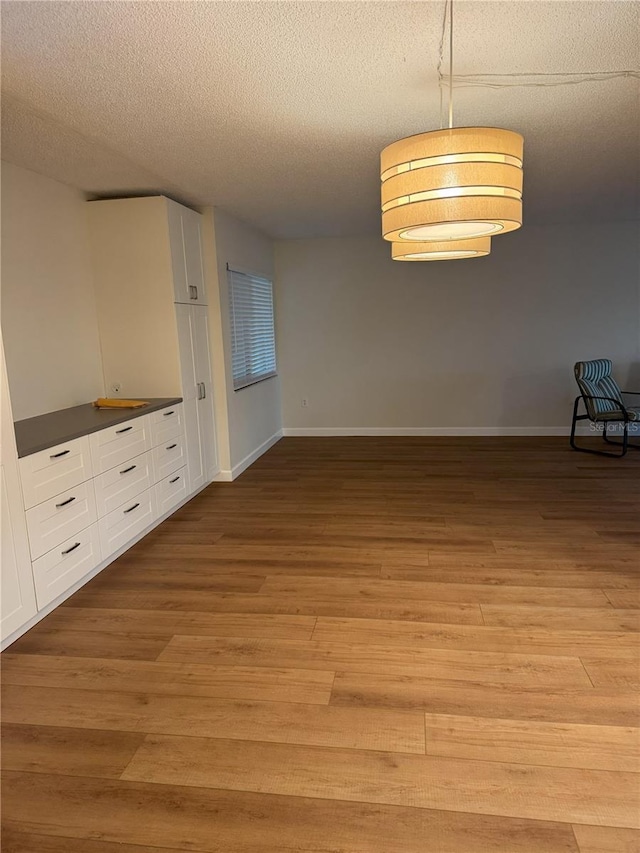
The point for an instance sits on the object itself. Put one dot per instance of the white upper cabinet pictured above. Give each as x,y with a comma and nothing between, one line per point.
185,237
192,241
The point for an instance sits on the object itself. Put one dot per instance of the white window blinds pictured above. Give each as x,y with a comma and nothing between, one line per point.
253,345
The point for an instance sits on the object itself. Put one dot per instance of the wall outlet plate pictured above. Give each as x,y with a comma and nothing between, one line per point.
116,387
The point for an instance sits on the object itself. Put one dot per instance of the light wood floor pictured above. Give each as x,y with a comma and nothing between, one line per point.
362,645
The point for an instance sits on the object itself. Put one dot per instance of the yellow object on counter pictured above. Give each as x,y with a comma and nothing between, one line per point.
117,403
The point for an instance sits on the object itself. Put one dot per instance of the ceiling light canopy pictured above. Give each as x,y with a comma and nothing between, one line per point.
446,250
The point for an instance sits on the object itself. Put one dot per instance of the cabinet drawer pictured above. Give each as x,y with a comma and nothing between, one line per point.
168,457
123,483
67,563
121,525
59,518
51,472
116,445
167,423
171,491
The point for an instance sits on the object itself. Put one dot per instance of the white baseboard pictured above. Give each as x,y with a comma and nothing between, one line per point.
433,431
226,476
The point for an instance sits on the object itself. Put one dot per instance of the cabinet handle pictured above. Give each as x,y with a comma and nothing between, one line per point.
171,446
195,291
175,480
204,391
130,468
192,290
126,429
69,550
58,455
131,508
64,503
166,414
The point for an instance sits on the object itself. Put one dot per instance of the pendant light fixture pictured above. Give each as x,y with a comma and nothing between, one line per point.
451,186
446,250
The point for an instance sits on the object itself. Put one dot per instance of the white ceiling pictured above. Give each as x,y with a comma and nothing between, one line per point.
277,111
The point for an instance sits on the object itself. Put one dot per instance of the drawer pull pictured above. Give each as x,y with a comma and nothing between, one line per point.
171,446
166,414
175,480
126,429
64,503
130,468
131,508
69,550
58,455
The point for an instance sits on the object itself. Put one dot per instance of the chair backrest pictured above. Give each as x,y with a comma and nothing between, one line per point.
595,380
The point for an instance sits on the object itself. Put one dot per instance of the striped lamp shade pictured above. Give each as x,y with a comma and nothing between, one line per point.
447,250
453,184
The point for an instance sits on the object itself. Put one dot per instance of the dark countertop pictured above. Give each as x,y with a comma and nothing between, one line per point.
43,431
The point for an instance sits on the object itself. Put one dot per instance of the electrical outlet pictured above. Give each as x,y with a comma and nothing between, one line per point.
304,402
116,387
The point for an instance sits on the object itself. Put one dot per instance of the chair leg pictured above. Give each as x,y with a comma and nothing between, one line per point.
626,442
572,438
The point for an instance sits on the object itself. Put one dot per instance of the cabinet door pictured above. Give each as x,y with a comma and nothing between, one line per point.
18,594
187,350
176,242
192,243
18,598
195,457
200,326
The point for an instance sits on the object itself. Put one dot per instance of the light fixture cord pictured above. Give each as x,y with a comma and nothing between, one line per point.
450,64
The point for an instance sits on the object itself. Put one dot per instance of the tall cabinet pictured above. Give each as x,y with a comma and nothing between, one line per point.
152,313
18,600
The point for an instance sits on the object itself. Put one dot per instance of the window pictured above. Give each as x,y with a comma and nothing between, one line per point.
253,345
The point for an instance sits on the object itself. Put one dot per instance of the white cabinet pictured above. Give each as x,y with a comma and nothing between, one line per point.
118,444
121,525
52,471
60,517
78,530
171,491
57,570
185,238
18,596
62,526
167,424
123,483
152,314
168,457
197,389
18,600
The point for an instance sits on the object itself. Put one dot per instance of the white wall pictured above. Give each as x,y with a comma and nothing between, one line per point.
254,414
48,307
485,344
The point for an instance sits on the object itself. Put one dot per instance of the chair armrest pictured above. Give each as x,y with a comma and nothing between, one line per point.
619,406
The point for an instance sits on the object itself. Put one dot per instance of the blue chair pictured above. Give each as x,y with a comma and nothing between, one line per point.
604,404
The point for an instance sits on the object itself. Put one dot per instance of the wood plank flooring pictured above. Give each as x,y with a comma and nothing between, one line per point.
363,645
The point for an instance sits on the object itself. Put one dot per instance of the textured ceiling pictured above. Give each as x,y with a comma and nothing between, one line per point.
277,111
